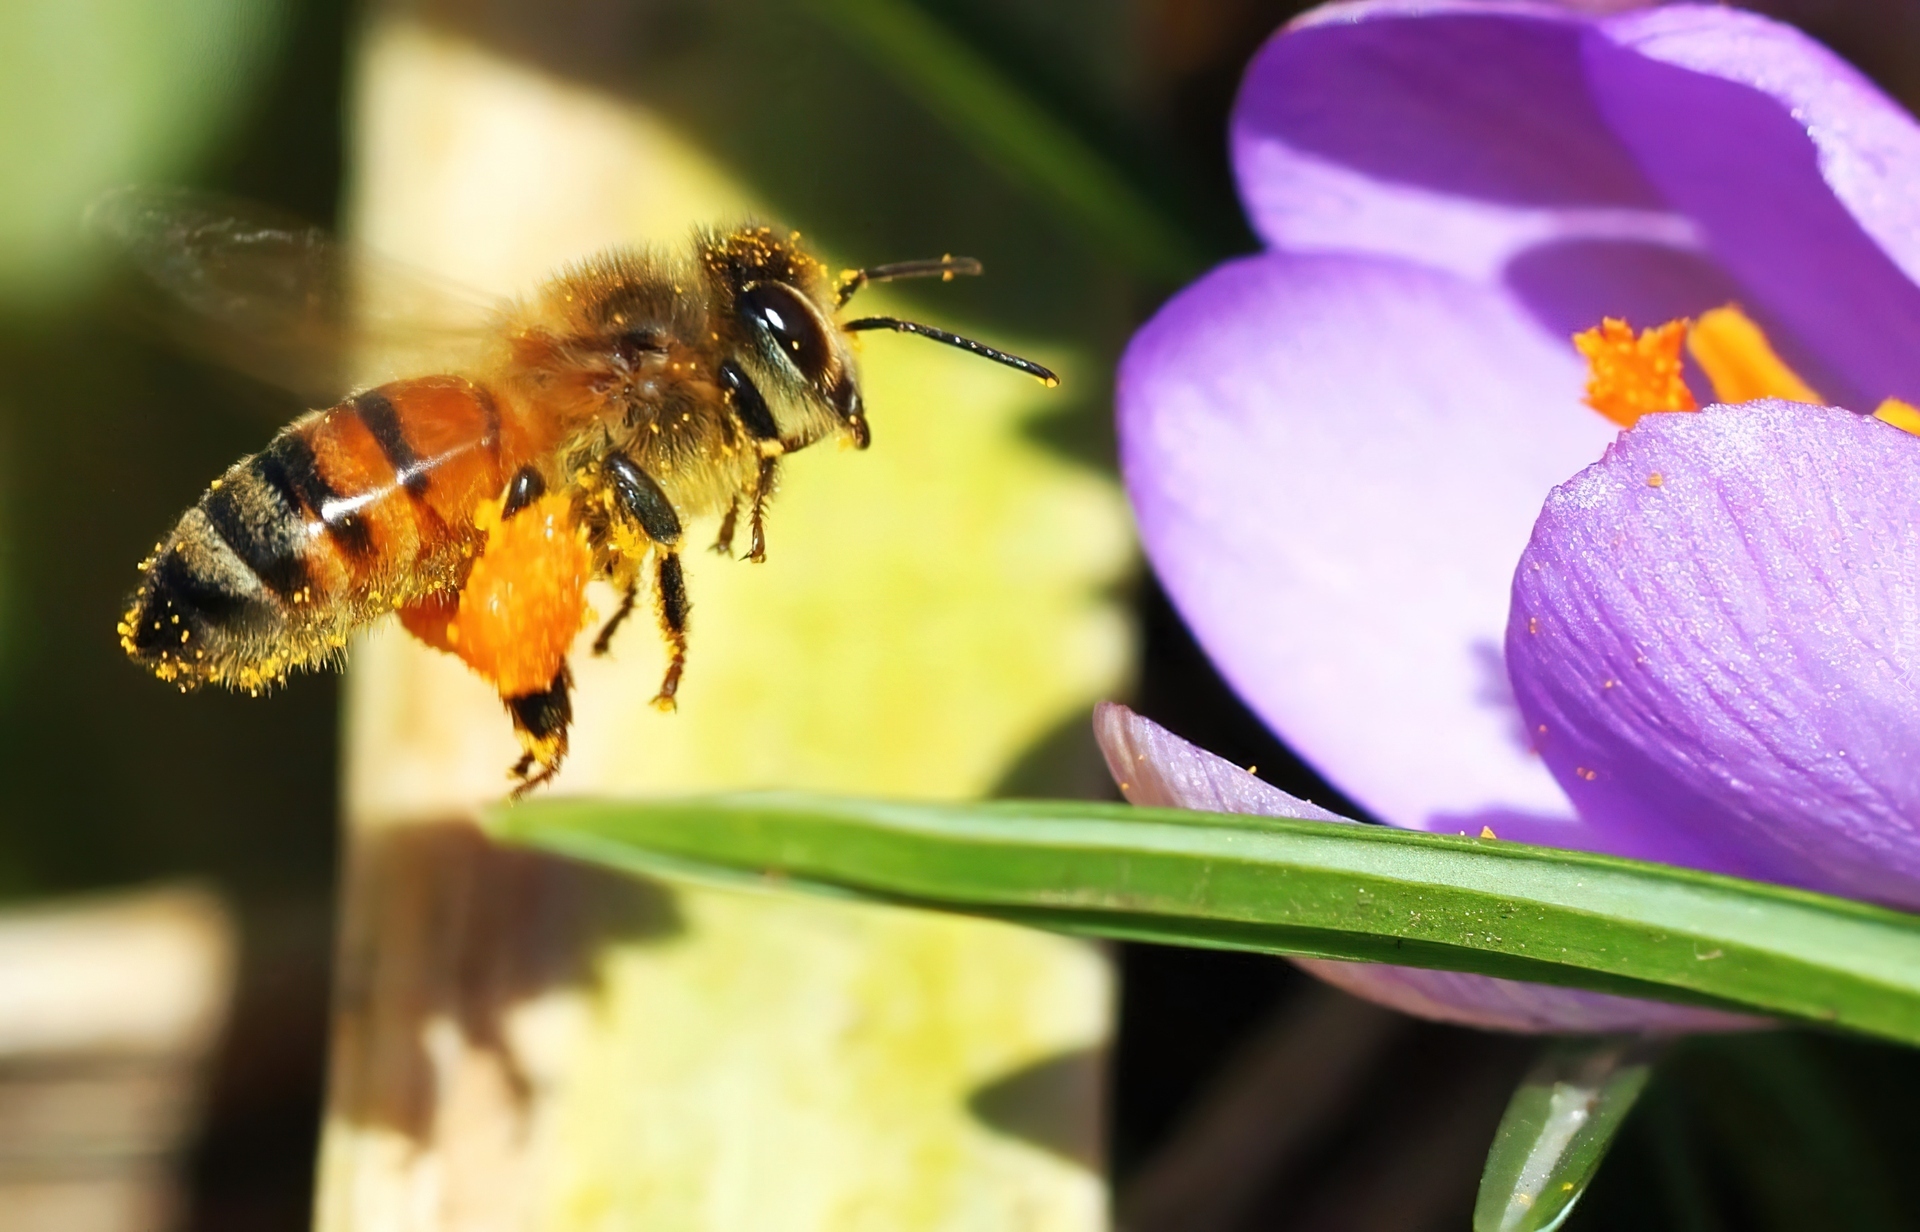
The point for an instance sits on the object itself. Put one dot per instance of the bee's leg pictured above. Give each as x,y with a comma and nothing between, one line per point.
670,593
723,542
541,720
640,498
762,489
604,641
751,410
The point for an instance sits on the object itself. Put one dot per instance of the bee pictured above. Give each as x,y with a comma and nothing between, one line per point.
589,424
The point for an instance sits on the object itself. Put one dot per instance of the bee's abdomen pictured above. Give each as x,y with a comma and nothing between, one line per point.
348,513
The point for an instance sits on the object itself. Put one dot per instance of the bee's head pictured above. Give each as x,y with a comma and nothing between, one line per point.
779,305
783,308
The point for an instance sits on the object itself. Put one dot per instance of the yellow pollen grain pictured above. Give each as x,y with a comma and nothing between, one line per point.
1740,362
1629,374
1487,832
1902,415
1656,479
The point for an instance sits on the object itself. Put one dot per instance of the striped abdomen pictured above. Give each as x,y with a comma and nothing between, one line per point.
349,513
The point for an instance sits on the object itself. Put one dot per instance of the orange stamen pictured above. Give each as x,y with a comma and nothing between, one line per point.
1740,362
1632,375
1902,415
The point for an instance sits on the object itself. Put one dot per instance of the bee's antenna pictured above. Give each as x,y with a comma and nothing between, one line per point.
943,268
954,340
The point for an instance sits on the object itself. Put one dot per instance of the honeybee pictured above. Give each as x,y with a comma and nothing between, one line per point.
590,423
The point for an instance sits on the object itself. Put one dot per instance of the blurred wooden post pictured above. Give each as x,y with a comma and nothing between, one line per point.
108,1010
521,1043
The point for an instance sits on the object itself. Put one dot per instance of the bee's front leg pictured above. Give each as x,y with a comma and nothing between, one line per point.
750,410
762,489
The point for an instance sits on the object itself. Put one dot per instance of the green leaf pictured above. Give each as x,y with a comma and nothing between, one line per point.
1012,131
1367,893
1556,1130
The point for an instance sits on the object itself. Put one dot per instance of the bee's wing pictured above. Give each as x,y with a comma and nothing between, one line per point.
283,301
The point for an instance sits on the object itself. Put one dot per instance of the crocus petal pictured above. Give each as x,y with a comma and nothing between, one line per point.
1715,640
1651,164
1799,174
1454,134
1334,462
1494,1004
1155,767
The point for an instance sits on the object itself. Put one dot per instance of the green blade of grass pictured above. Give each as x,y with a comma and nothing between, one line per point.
1367,893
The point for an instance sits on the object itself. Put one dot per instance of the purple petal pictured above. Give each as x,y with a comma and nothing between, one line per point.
1715,639
1457,135
1801,176
1155,767
1652,165
1334,463
1494,1004
1152,765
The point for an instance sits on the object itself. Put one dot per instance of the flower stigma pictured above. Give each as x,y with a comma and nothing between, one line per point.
1630,375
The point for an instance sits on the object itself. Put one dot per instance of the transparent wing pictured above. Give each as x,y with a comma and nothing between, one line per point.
283,301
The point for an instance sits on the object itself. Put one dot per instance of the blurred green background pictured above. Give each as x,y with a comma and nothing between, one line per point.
1097,129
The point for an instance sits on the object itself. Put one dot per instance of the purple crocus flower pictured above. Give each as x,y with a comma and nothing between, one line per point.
1338,450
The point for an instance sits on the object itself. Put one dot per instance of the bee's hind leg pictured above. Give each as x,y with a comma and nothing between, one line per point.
541,721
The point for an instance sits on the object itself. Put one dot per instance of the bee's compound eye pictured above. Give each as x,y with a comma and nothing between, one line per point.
786,318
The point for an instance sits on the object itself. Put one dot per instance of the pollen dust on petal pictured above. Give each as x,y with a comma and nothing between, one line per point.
1629,374
1739,361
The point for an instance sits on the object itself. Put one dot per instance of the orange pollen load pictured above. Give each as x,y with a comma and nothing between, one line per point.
1630,375
525,599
